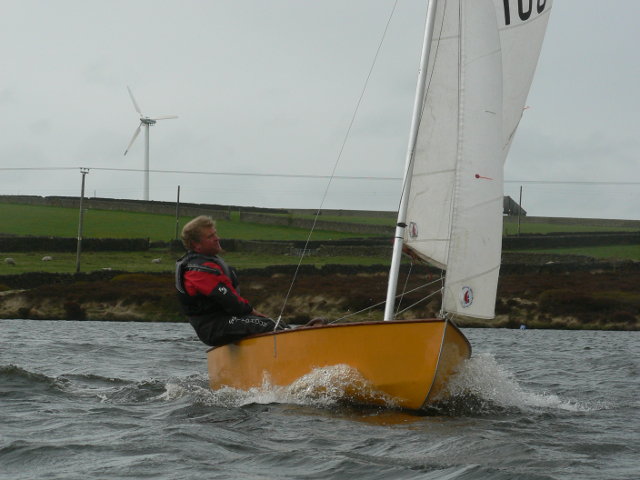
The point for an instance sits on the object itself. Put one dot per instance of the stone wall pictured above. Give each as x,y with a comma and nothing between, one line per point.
307,224
570,240
345,213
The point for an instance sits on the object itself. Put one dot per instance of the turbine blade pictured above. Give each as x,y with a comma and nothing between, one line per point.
133,139
164,117
135,104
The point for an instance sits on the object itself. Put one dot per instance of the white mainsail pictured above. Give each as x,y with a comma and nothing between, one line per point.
523,24
481,63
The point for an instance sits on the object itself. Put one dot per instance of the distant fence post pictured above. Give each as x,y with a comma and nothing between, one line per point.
178,213
84,172
519,209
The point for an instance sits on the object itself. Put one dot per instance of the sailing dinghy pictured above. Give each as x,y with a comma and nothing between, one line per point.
475,72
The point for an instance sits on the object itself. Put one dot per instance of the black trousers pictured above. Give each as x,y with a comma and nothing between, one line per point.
216,331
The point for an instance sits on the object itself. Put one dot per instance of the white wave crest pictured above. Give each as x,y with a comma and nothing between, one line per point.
322,387
482,377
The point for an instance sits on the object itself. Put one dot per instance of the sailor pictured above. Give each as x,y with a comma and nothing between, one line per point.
208,289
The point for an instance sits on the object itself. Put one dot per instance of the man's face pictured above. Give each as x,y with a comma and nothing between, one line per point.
209,243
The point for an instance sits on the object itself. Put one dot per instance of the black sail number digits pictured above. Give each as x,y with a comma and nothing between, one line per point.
525,9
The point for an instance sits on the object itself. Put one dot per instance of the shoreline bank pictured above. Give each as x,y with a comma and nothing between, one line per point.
552,294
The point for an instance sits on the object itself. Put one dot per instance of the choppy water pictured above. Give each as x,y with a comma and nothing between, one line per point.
97,400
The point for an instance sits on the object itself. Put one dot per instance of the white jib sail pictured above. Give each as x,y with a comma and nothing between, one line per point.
471,109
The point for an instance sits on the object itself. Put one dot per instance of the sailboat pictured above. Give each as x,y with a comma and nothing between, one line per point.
476,68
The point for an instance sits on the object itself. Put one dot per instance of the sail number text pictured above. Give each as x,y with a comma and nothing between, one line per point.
525,9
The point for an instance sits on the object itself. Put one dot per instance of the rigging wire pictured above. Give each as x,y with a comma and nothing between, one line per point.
424,100
419,301
338,158
370,307
404,288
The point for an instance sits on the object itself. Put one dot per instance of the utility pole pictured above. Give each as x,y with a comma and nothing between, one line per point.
178,213
519,209
84,172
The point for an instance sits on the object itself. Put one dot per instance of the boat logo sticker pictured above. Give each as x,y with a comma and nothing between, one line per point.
466,297
413,229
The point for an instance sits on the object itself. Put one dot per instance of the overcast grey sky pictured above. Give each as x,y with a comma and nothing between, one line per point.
270,86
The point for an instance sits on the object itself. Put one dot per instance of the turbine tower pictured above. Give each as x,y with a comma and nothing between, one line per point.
147,122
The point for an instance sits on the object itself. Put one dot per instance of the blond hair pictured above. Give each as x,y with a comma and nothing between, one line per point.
192,231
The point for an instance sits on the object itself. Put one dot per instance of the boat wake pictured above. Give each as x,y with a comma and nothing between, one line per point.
338,385
483,386
322,387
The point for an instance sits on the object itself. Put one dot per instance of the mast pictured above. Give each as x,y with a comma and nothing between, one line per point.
406,184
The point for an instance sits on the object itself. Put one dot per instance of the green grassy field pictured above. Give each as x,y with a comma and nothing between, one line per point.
18,219
142,261
63,222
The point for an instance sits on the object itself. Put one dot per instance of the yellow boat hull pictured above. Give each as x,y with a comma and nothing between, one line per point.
407,362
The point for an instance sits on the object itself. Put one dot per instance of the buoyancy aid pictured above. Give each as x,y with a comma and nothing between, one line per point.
198,305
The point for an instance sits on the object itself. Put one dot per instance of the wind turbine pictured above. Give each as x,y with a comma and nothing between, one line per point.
147,122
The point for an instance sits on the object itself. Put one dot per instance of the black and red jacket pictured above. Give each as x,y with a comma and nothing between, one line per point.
207,286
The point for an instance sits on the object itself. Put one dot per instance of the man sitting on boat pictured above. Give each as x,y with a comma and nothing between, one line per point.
208,289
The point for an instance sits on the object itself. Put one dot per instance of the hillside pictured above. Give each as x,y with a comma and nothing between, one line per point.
583,273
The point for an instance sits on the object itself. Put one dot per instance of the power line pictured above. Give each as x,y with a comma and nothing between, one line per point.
293,175
244,174
201,172
40,168
569,182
